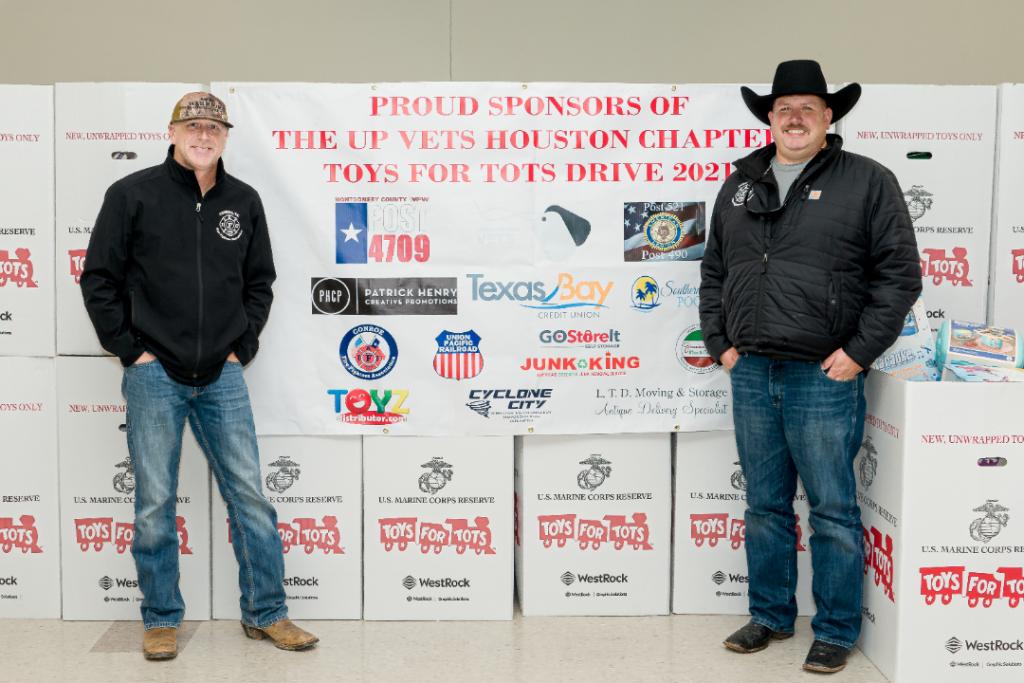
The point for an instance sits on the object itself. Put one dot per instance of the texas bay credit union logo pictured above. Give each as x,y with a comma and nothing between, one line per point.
458,355
569,293
368,352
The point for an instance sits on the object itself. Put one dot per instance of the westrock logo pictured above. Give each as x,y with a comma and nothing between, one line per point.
17,270
370,407
409,582
592,477
568,578
692,354
718,577
282,478
124,482
867,468
953,645
568,293
22,536
645,293
439,475
368,352
942,268
986,528
918,200
106,583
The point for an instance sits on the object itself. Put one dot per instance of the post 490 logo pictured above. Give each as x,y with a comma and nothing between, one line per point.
612,530
24,536
401,532
310,535
98,532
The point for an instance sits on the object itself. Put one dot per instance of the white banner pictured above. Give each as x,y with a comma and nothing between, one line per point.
26,220
29,532
104,132
1007,309
487,258
940,143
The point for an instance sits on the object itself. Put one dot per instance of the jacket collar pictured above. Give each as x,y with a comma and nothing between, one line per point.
755,165
186,176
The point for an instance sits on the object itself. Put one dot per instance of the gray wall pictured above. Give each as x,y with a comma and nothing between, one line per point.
733,41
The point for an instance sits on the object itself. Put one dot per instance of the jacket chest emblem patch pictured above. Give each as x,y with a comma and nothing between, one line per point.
229,228
740,198
814,195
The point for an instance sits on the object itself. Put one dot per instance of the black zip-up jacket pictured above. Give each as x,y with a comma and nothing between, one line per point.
833,266
185,277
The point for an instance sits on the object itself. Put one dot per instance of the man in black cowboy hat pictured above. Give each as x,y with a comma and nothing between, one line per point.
810,268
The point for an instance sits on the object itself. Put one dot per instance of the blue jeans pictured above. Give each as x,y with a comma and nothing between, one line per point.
791,419
221,420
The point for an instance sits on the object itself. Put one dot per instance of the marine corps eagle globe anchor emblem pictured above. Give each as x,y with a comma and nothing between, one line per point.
281,479
124,482
440,474
590,479
986,528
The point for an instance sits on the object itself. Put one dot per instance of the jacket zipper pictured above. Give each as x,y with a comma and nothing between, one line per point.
199,277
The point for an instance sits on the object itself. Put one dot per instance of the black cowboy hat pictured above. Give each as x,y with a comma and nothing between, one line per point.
801,77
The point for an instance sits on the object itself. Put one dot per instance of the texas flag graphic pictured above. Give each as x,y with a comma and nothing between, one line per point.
350,232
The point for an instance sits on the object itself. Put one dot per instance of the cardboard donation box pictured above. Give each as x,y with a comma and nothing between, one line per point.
97,494
593,524
438,527
709,568
315,484
939,478
939,141
29,532
1006,307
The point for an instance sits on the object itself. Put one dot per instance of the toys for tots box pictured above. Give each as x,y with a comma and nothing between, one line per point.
437,521
315,484
29,533
940,475
709,567
593,524
97,496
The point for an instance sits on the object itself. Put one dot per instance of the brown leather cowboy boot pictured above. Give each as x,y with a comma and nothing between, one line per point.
285,634
160,643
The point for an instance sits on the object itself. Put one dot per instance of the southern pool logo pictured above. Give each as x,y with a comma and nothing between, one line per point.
458,355
692,354
124,482
918,200
368,352
987,527
286,474
439,475
644,293
592,477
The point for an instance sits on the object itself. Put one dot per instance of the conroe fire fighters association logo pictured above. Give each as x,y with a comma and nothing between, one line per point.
458,355
229,228
18,270
368,352
22,536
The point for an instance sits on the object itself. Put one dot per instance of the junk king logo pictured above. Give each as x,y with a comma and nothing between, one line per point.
368,352
878,556
98,532
592,477
617,531
987,527
308,534
17,270
22,536
941,268
401,532
713,527
439,475
918,200
124,482
286,474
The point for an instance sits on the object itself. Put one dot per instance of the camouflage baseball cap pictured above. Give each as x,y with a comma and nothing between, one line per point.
200,105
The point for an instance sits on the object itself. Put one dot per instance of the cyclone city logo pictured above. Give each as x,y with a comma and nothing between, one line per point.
645,293
286,474
953,645
124,482
742,192
867,468
481,407
738,479
439,475
368,352
458,355
592,477
986,528
229,228
18,270
918,200
409,582
568,578
692,354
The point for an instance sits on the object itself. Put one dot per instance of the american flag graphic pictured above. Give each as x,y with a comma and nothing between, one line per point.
458,355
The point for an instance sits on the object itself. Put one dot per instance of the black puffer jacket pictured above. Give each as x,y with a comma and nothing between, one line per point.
835,266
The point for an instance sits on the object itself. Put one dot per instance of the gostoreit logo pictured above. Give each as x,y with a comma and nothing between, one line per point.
17,270
370,407
568,578
286,474
595,475
986,528
368,352
584,338
458,355
567,292
439,475
22,536
645,293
